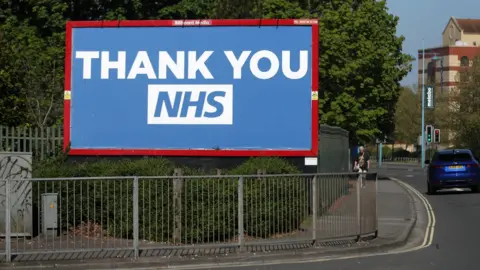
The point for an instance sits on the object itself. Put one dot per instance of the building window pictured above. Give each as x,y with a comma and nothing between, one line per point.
464,62
431,72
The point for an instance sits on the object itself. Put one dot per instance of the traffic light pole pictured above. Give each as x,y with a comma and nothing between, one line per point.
422,161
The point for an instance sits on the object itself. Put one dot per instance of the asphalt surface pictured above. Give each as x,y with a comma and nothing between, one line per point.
456,239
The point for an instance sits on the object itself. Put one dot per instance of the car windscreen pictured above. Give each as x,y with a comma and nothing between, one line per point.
459,157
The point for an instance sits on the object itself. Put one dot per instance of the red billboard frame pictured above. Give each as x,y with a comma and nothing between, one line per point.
313,152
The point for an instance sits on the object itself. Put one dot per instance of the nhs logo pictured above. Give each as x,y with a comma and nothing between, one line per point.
183,104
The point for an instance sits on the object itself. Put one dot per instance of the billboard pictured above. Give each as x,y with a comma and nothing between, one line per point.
192,88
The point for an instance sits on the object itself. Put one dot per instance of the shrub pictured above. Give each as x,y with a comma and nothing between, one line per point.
387,152
400,152
273,205
209,204
105,201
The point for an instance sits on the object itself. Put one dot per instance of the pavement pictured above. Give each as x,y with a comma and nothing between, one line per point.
401,214
453,242
392,165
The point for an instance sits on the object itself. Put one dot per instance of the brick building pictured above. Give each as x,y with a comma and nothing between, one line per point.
461,43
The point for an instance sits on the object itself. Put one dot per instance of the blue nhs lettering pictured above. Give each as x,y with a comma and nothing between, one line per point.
190,104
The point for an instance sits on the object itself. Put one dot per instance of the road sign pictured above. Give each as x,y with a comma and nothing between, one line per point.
429,97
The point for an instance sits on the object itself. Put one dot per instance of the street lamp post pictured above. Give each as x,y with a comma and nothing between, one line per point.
422,161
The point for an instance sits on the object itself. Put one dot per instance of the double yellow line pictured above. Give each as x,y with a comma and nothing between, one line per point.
430,230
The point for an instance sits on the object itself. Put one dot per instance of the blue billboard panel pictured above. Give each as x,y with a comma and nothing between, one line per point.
209,90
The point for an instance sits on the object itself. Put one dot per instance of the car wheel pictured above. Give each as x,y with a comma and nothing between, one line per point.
430,189
475,189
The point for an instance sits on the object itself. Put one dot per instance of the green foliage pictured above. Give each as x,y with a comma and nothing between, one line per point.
269,165
59,167
408,116
188,9
402,153
281,9
31,79
397,152
361,65
464,108
273,205
282,195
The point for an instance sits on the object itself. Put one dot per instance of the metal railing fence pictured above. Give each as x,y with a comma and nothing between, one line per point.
43,142
105,217
397,159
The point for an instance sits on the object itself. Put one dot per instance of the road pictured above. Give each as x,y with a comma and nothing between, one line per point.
456,239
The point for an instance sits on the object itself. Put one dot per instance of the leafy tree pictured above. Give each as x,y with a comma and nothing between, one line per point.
465,108
408,116
361,66
441,115
32,75
32,53
267,9
281,9
188,9
12,105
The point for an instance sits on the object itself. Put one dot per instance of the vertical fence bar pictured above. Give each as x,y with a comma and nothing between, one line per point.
13,140
314,212
135,218
177,205
1,139
376,205
8,139
241,240
24,140
359,214
8,229
30,141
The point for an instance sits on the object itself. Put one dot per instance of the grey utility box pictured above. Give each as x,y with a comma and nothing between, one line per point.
49,213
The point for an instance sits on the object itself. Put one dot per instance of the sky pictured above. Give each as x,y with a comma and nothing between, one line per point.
426,19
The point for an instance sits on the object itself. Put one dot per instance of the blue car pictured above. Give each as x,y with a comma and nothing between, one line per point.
453,168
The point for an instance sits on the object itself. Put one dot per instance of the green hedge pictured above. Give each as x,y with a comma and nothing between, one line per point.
271,205
398,152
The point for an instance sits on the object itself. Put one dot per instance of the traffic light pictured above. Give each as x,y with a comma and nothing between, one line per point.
437,136
429,132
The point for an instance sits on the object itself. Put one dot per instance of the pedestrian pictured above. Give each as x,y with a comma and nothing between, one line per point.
362,162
